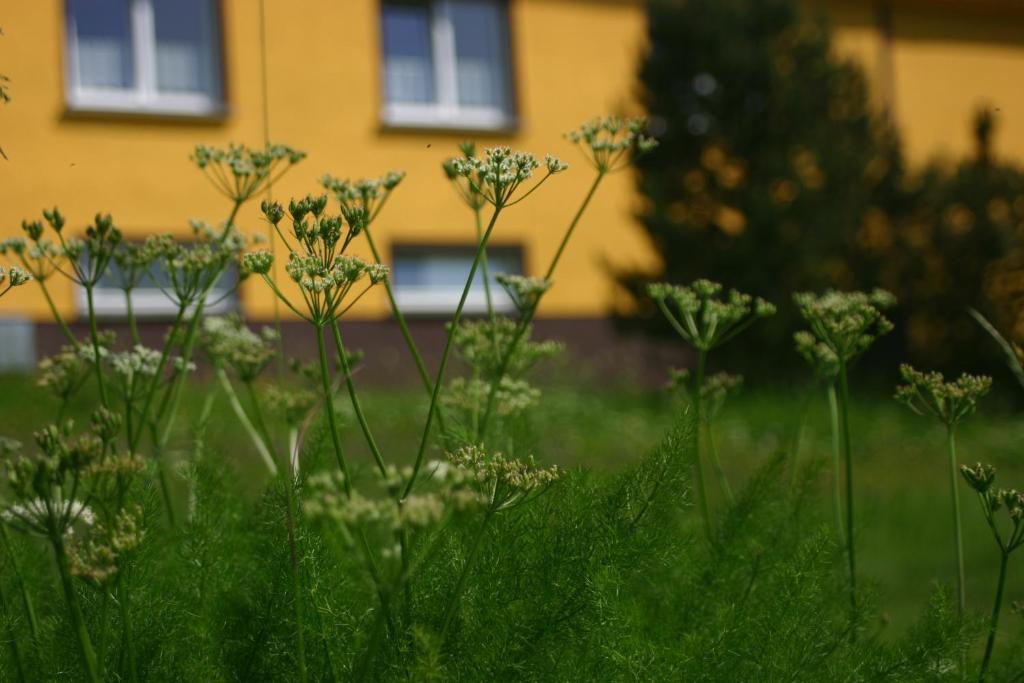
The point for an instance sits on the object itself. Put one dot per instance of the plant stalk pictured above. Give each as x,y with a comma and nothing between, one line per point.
329,408
957,526
844,406
837,475
994,624
92,665
698,409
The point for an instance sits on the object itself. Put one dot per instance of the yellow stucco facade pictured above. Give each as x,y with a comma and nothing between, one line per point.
570,60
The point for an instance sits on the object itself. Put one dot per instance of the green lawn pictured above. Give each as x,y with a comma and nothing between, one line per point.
902,484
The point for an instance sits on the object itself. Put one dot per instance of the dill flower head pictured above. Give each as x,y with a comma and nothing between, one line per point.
293,405
513,397
63,372
501,172
257,262
703,315
979,477
139,361
482,345
818,355
506,482
930,393
525,292
846,322
240,172
35,515
97,558
229,341
610,143
363,196
15,277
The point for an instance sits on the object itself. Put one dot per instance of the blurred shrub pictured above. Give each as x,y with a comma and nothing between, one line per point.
775,174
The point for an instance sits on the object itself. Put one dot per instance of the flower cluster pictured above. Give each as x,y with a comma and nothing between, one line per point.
292,405
704,318
930,393
505,482
482,344
97,559
319,266
47,488
228,341
525,292
818,355
328,500
846,323
63,372
241,172
15,277
140,361
360,200
192,270
465,188
716,389
501,172
982,479
513,397
608,143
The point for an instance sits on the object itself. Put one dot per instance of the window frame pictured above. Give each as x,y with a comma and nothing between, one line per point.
446,112
442,300
144,97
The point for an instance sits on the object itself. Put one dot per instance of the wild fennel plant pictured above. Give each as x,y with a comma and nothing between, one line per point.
477,563
846,324
706,320
981,478
950,403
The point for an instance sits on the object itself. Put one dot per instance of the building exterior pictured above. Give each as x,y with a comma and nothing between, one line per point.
109,97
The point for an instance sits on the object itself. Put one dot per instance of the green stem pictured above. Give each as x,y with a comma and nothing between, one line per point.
329,407
261,443
26,599
92,665
12,638
572,225
124,599
57,316
705,507
460,584
357,406
798,436
483,268
844,406
717,464
525,320
134,439
94,337
994,624
837,496
954,478
133,326
300,641
447,352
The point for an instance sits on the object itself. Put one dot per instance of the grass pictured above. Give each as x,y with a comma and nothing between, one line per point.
902,487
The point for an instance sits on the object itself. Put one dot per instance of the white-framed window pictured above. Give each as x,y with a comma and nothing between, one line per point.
428,280
148,56
149,299
446,63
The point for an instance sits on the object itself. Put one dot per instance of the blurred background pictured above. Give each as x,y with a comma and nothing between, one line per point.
805,144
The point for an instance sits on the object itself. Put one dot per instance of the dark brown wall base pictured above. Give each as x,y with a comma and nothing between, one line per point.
595,351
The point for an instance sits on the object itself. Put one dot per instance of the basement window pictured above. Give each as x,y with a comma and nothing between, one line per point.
149,300
144,56
428,280
446,64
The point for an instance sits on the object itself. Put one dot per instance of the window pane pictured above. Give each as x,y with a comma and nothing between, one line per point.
481,53
408,61
185,46
449,266
104,43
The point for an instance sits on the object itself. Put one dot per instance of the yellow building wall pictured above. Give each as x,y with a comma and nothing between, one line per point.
572,59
